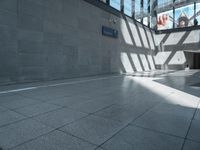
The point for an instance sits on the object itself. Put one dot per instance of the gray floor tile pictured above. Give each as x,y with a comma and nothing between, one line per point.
45,94
2,109
194,130
176,110
133,138
8,117
59,117
16,101
122,113
183,99
141,99
20,132
166,123
94,129
92,105
190,145
70,100
99,148
36,109
197,115
120,97
170,97
56,140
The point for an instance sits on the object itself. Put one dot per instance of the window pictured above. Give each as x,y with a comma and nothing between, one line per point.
179,3
184,16
138,14
145,12
170,13
128,7
115,4
165,20
198,13
145,7
145,21
165,3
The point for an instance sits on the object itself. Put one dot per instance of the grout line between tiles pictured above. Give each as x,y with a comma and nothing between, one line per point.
190,126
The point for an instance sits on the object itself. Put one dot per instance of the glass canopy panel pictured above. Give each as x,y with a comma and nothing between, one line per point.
145,21
151,23
145,12
128,7
198,13
179,3
138,14
145,7
165,20
184,16
115,4
165,3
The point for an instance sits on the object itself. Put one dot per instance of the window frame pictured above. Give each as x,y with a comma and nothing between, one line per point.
107,7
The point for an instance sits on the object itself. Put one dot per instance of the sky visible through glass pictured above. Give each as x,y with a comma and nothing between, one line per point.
185,13
162,3
198,14
128,7
115,4
184,16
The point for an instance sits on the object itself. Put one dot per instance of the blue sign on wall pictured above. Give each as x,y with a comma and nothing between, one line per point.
107,31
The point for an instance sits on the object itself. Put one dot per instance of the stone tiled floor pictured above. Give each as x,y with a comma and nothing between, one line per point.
155,110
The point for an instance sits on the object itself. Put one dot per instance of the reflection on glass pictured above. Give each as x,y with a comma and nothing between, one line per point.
115,4
164,3
165,20
139,20
184,16
145,6
184,13
128,7
179,3
145,21
198,13
138,10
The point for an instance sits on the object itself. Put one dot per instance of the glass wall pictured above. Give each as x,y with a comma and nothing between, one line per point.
184,12
145,21
138,15
168,14
179,3
184,16
165,20
165,3
197,14
128,7
146,12
115,4
145,7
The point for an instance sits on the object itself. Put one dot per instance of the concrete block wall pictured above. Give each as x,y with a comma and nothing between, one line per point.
55,39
